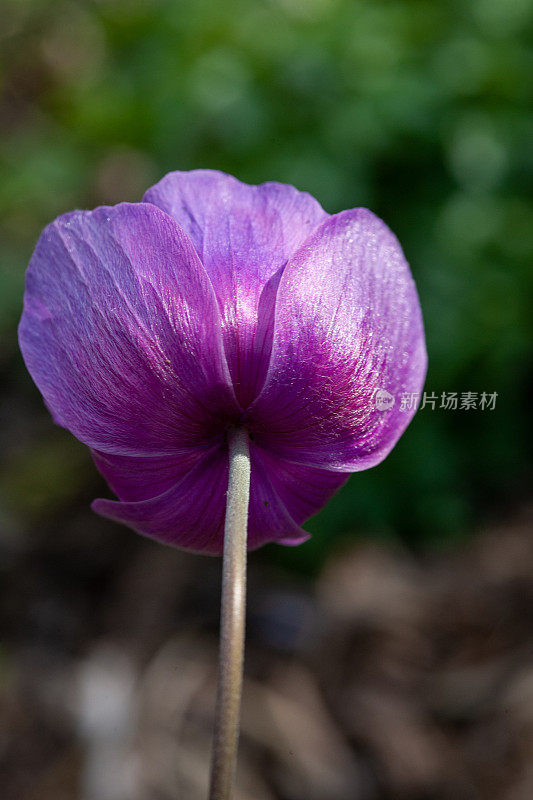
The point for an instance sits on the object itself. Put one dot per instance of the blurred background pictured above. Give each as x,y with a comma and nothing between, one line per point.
390,656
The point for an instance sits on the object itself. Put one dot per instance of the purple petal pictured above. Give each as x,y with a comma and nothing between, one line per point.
122,335
269,518
302,490
348,322
190,513
243,235
135,478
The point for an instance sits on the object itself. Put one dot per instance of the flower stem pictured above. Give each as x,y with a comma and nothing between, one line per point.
232,619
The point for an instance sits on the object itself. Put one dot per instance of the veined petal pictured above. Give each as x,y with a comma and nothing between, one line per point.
348,323
269,518
134,478
190,512
122,334
243,235
302,490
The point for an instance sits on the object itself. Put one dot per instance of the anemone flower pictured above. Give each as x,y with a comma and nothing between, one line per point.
218,334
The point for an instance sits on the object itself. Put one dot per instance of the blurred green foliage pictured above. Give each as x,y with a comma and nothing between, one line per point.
419,110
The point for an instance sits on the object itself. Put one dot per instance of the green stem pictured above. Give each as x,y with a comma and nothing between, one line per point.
232,619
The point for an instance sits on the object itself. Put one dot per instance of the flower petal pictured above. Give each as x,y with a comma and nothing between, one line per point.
348,323
134,478
190,513
269,519
302,490
243,235
122,335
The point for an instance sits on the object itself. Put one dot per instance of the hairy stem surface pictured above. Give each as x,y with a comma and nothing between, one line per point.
232,619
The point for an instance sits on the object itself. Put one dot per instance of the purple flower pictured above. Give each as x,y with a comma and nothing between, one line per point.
151,328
